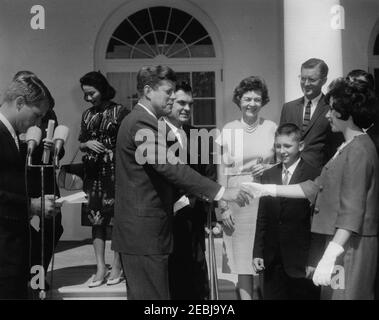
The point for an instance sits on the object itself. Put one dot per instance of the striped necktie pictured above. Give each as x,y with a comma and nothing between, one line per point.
307,116
286,177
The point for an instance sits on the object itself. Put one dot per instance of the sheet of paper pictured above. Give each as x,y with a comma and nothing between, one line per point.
79,197
181,203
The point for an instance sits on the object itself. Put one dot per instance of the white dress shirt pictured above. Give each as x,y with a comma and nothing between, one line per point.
10,128
178,132
290,170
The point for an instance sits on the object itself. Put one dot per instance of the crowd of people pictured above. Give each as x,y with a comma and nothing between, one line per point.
298,200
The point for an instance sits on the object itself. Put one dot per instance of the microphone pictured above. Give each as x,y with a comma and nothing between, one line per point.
60,137
49,136
33,138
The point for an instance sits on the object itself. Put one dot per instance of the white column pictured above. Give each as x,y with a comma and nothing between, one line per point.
312,29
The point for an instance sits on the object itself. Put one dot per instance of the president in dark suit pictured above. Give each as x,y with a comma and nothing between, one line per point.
146,184
25,102
308,113
188,272
282,237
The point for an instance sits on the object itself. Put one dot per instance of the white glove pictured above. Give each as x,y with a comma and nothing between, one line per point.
257,190
324,269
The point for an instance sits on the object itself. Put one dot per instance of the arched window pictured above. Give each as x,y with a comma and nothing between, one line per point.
156,31
181,37
376,46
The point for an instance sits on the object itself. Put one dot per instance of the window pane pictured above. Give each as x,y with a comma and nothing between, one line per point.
183,76
176,35
376,46
204,112
203,84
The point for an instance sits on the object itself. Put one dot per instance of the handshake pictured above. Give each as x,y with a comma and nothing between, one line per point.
248,190
257,190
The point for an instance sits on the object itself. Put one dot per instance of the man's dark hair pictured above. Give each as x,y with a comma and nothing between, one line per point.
152,76
31,88
184,86
286,129
314,62
20,75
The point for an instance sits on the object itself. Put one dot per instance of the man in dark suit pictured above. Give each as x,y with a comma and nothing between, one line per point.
308,113
188,272
24,103
282,237
146,184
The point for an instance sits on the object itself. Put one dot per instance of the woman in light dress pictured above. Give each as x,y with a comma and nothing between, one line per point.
247,149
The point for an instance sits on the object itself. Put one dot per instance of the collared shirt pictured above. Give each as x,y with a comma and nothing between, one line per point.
314,103
290,170
178,132
10,128
148,111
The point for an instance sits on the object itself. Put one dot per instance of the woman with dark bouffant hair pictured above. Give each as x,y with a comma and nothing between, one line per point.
248,146
345,196
99,127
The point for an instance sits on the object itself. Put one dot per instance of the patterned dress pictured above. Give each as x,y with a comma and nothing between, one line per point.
242,148
99,169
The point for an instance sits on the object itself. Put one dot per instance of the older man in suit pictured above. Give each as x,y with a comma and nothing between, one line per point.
146,184
308,113
24,103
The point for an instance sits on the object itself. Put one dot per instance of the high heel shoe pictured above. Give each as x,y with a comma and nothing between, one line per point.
97,283
111,282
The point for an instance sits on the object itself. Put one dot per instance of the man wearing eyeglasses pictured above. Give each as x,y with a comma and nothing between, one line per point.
308,112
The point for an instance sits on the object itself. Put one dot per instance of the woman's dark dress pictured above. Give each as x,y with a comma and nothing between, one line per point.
99,169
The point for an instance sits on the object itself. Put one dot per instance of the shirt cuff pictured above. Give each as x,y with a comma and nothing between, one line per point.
219,194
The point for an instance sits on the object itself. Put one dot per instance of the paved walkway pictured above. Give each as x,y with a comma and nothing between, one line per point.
75,264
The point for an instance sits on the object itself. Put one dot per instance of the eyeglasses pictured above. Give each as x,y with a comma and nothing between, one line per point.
310,80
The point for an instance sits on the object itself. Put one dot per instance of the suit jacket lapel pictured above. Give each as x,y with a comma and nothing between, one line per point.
12,145
320,110
276,177
296,177
299,113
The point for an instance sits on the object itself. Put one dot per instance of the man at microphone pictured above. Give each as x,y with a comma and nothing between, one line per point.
25,102
44,154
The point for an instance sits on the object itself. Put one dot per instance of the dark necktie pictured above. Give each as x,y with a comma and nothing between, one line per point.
307,116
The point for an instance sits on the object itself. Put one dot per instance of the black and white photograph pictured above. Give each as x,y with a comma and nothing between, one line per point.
189,151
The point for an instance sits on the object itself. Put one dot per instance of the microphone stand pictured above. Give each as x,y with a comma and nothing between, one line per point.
213,279
42,293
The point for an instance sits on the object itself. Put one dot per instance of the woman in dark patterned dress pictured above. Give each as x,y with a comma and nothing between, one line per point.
97,139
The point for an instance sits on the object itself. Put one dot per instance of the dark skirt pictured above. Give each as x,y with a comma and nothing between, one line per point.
106,216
